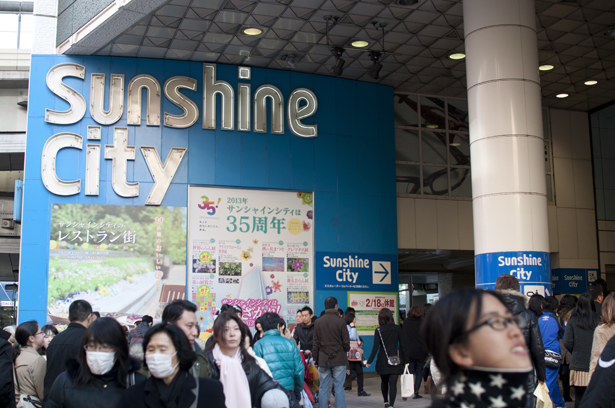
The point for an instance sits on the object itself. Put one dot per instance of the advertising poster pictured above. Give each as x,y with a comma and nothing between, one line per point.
126,261
252,248
367,305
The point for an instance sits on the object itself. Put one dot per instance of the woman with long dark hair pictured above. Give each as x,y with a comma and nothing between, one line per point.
226,359
578,339
566,305
169,358
102,372
30,366
481,353
50,332
389,345
259,331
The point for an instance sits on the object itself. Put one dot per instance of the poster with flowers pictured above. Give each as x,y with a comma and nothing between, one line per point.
259,248
118,258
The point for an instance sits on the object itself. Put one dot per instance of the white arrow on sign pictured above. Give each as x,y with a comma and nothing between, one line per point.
381,273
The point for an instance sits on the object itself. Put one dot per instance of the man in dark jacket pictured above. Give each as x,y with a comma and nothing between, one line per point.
139,331
516,302
331,343
65,345
304,332
417,354
7,388
599,393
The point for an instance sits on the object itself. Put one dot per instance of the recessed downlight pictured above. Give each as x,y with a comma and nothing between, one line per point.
457,56
431,126
545,67
252,31
359,44
562,95
592,82
455,144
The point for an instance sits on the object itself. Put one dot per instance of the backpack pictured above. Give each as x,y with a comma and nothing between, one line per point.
137,339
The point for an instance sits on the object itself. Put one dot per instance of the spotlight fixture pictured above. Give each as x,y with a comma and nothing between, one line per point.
592,82
545,67
610,32
457,56
562,95
291,62
359,44
455,144
252,31
374,71
338,68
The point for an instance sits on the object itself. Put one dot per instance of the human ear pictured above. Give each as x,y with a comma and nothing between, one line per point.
460,355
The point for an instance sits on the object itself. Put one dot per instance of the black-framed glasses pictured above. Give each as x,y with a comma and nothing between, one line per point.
497,323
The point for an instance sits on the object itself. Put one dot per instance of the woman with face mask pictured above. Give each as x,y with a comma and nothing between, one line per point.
30,367
102,372
169,357
479,349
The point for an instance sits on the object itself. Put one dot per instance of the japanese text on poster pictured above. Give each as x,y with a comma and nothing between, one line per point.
367,305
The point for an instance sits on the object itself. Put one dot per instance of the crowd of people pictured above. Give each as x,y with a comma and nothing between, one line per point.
473,348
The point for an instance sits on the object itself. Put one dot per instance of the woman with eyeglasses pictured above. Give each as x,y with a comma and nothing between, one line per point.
480,351
29,366
102,372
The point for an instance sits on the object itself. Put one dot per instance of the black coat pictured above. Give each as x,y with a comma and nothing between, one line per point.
7,388
145,394
394,342
515,302
63,347
413,341
102,392
304,335
599,393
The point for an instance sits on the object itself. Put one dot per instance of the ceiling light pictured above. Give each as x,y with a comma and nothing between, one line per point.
455,144
291,62
545,67
610,32
359,44
457,56
431,126
252,31
562,95
374,71
338,68
592,82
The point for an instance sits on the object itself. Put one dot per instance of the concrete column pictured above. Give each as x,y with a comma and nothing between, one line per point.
507,148
45,26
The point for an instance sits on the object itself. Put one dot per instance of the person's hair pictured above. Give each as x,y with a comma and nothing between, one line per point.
49,328
568,302
349,317
230,308
550,304
535,304
22,336
185,354
308,309
282,323
602,283
426,309
349,310
218,336
608,309
107,331
507,282
137,323
97,314
174,310
340,312
416,312
79,311
595,292
330,302
321,314
385,316
270,321
447,324
584,311
147,319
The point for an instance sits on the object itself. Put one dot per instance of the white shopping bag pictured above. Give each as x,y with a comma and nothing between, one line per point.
407,384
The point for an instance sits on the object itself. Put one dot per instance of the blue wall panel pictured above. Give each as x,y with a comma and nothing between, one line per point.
350,165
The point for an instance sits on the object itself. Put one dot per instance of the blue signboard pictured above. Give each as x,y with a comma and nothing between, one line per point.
352,271
575,280
556,282
533,269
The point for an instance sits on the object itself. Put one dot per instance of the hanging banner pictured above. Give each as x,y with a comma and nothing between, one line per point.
126,261
367,305
252,248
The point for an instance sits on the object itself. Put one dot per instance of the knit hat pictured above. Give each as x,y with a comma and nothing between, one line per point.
275,399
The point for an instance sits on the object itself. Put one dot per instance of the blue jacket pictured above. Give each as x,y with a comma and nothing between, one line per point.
283,359
352,333
549,331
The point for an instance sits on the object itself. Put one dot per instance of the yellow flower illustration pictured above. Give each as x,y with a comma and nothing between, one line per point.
255,241
246,255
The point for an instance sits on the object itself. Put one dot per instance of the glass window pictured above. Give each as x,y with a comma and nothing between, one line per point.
458,118
459,149
435,180
8,30
406,110
433,112
407,145
26,31
434,147
461,182
408,178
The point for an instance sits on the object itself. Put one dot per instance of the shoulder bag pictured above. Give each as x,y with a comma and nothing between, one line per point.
392,361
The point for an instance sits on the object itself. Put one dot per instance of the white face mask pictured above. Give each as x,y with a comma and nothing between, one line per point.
160,365
100,362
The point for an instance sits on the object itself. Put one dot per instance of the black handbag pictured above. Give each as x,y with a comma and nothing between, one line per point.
394,360
552,359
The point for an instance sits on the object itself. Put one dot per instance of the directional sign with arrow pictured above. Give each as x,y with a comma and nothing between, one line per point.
381,273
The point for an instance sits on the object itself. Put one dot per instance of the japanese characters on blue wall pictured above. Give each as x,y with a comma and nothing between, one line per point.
135,132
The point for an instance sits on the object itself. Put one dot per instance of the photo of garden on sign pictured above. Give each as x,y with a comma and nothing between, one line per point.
118,258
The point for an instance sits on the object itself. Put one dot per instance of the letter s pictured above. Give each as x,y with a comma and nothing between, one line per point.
76,101
500,261
326,260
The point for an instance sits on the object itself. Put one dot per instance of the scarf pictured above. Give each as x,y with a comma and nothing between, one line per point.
480,387
233,379
170,394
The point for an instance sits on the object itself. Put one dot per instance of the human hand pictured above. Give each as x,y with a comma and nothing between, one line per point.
347,372
367,365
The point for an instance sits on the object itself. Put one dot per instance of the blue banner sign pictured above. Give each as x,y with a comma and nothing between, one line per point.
532,269
351,271
574,281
